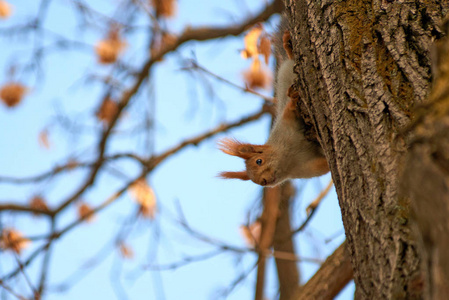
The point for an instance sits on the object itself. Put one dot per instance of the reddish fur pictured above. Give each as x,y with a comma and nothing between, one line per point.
289,111
286,41
259,148
287,153
319,166
250,153
235,148
235,175
242,150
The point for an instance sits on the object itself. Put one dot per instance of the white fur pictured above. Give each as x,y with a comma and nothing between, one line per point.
293,153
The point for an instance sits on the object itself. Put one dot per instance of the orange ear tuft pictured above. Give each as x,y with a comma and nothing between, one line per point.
235,175
236,148
229,146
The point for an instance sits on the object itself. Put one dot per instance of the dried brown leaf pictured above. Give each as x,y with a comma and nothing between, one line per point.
37,202
12,93
245,54
43,140
106,52
5,9
13,240
244,231
145,197
250,41
251,233
265,48
109,49
86,212
107,111
256,77
164,8
126,251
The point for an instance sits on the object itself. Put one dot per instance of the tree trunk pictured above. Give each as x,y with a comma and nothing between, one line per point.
362,67
426,179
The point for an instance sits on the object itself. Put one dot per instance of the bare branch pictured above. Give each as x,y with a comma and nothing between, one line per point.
25,275
314,204
153,162
330,279
312,208
184,261
287,271
24,209
268,219
101,160
9,290
225,292
198,34
71,165
58,234
196,66
46,262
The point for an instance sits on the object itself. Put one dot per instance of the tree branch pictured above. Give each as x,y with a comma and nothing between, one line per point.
330,279
24,209
154,161
287,271
269,217
198,34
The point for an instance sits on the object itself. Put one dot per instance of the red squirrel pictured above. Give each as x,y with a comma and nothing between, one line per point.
287,153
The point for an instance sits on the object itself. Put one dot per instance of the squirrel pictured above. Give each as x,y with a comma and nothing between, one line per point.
287,153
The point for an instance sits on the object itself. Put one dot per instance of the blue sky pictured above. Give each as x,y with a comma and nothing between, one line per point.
182,107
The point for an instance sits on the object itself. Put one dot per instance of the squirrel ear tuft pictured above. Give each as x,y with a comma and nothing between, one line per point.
233,147
234,175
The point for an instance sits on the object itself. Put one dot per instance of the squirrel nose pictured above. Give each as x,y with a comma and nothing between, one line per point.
264,181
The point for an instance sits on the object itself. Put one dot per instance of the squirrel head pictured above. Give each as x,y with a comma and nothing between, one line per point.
259,159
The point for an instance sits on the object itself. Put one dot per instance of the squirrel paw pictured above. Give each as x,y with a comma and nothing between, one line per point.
292,93
287,43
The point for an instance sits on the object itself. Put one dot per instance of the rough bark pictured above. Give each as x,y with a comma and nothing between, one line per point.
426,180
362,67
334,274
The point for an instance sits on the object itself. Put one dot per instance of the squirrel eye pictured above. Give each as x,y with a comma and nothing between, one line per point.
259,161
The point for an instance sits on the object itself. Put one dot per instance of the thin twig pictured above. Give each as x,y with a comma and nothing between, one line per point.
46,262
196,66
154,161
225,292
66,167
9,290
183,262
314,204
311,209
22,271
189,34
